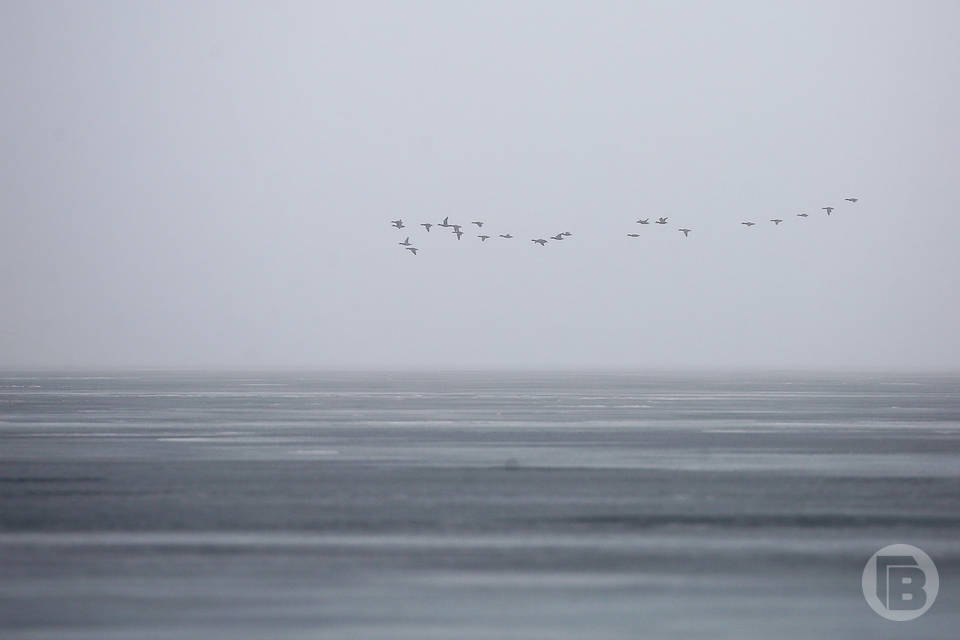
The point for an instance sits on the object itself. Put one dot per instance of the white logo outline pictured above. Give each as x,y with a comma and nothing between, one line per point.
906,574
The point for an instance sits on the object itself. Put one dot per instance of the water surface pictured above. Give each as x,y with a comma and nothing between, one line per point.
470,505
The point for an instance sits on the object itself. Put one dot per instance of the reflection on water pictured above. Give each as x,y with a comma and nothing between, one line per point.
469,505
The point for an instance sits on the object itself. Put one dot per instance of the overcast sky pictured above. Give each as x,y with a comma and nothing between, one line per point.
210,184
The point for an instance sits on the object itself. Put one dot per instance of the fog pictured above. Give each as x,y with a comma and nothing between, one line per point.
211,184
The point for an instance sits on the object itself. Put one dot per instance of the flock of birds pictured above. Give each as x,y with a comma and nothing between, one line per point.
458,229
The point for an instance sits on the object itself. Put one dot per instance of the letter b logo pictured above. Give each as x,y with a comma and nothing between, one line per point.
900,582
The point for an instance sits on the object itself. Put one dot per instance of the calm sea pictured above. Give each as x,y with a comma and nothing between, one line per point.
470,505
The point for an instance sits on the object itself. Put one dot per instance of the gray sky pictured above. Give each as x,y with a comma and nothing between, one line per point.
209,184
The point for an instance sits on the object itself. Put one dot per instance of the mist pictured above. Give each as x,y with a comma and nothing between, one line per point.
211,184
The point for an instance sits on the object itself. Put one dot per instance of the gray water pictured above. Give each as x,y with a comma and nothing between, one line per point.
470,505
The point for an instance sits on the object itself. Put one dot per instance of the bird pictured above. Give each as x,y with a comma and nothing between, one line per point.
412,250
456,227
505,235
827,209
458,233
851,199
559,236
426,225
633,235
802,215
540,241
445,223
479,223
397,223
776,221
644,221
566,233
483,238
661,221
406,242
686,232
748,224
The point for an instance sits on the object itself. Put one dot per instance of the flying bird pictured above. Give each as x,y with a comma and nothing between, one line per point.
479,223
445,223
776,221
505,235
540,241
456,227
661,221
559,236
686,232
426,225
802,215
748,224
483,238
412,250
458,233
827,209
851,199
406,242
633,235
566,233
397,223
644,221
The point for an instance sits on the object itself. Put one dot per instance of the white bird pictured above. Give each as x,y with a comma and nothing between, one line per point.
478,223
661,221
540,241
505,235
406,242
851,199
748,224
644,221
686,232
483,238
827,209
776,221
397,223
426,225
412,250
